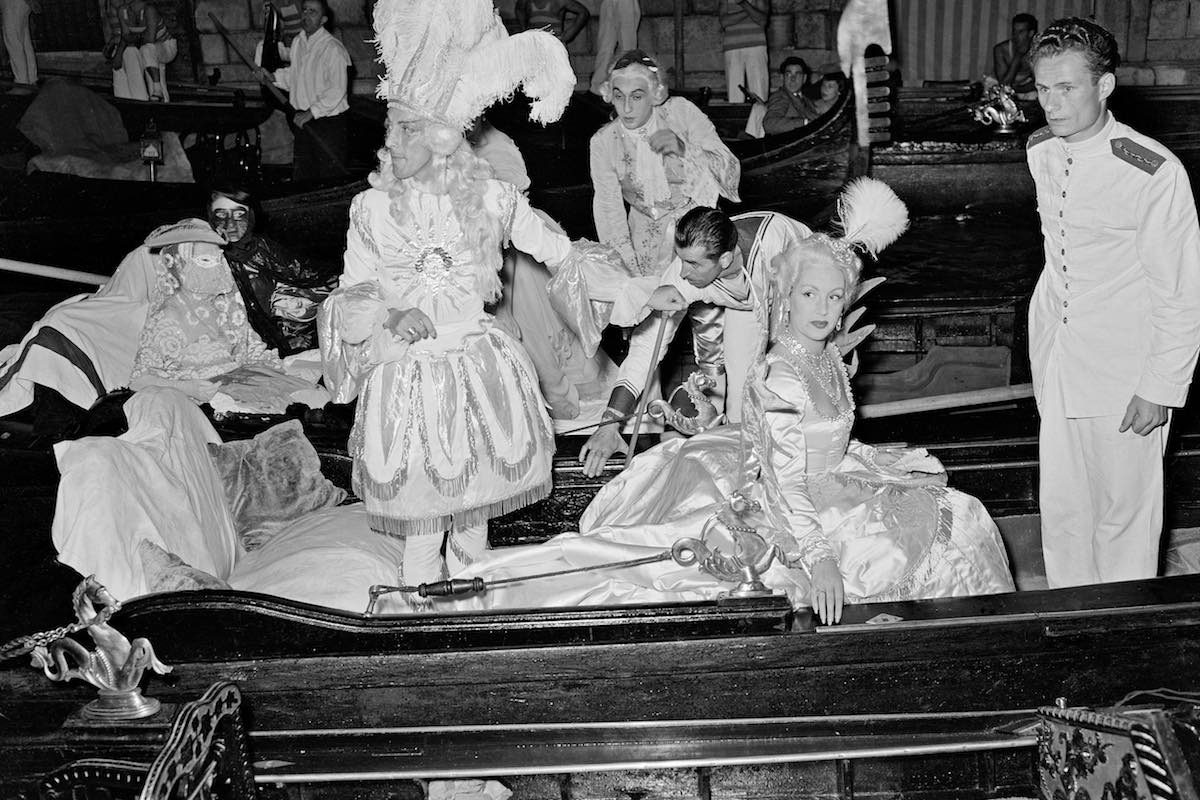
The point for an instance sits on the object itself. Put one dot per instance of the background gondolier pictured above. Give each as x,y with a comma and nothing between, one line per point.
316,81
1114,323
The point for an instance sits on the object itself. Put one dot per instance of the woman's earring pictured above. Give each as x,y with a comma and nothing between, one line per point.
838,325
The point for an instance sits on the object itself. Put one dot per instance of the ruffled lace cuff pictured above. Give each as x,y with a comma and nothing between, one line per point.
585,288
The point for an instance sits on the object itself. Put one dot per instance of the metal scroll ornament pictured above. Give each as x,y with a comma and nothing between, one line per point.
694,389
115,667
730,550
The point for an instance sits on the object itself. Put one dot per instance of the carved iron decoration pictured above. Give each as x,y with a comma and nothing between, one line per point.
115,667
206,756
1132,755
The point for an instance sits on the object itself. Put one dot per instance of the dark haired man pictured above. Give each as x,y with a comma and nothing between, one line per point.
1114,322
788,107
1010,58
316,80
718,278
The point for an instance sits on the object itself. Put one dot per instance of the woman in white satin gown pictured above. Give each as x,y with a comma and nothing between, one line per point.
848,522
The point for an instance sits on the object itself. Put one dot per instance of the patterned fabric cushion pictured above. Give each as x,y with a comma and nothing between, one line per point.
167,572
271,480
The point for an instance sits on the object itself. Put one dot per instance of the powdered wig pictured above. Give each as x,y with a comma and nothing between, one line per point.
637,61
1074,34
870,216
466,184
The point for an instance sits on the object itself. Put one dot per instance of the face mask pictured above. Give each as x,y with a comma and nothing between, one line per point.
232,223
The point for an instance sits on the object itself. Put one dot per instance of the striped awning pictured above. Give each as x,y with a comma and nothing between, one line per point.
948,40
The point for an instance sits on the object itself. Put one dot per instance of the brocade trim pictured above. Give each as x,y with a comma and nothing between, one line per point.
926,565
403,528
358,220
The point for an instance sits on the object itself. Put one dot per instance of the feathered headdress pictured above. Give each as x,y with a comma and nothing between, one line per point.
870,216
448,60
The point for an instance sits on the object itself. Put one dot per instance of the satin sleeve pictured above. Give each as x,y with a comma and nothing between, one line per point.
712,168
350,320
775,404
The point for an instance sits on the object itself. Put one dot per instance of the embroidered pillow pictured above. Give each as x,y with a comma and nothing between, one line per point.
271,480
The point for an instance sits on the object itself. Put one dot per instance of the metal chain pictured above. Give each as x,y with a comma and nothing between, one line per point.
26,644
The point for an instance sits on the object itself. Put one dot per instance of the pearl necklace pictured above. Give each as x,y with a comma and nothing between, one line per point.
821,366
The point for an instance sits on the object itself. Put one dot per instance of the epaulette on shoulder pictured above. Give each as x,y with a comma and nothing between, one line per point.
1037,137
1141,157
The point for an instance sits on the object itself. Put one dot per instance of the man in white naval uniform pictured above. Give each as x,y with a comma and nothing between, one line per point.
1114,322
718,278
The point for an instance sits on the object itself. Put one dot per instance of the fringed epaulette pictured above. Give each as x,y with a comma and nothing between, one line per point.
1037,137
1141,157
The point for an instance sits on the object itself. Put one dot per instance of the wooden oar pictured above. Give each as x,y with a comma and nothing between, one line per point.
58,273
940,402
275,91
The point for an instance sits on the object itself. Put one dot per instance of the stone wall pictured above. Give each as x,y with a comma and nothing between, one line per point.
802,27
1159,39
1162,42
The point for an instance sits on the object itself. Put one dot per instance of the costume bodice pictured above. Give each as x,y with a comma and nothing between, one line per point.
804,442
423,260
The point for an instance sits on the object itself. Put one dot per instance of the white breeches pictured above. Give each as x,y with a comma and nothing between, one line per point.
747,65
743,340
131,81
423,562
17,40
1101,497
616,33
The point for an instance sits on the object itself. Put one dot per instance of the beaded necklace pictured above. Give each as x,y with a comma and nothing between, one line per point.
821,366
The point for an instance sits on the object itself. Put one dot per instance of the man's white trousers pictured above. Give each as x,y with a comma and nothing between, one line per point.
1101,495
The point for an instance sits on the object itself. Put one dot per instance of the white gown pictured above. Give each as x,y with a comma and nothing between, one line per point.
897,531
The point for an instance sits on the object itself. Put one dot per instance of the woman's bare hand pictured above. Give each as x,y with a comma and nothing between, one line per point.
828,591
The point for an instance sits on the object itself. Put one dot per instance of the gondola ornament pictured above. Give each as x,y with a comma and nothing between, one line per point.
998,107
115,667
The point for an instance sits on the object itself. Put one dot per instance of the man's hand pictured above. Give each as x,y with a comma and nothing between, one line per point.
599,447
666,298
828,592
1142,416
410,324
302,118
262,76
666,143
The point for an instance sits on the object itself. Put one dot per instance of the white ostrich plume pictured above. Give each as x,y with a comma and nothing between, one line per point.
871,215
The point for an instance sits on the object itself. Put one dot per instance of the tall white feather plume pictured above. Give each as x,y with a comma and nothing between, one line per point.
871,215
448,60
